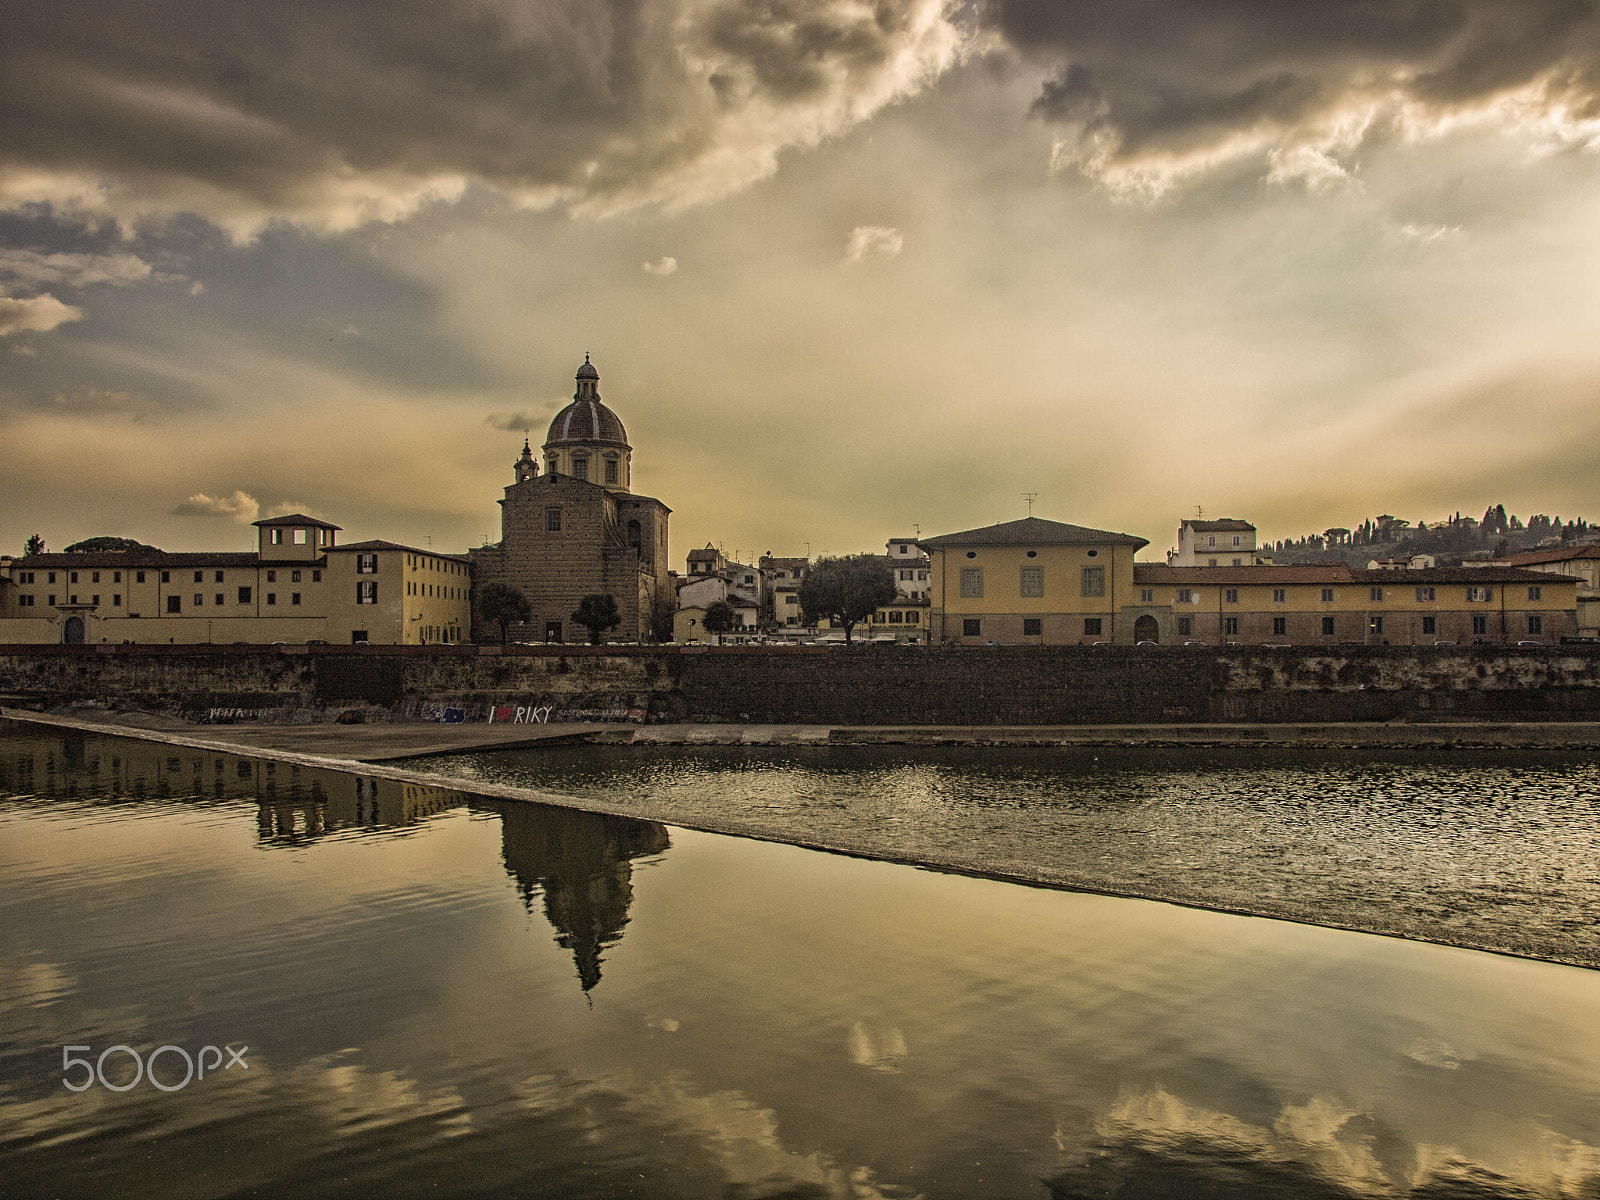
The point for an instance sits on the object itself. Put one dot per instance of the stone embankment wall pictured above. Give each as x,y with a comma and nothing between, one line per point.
876,685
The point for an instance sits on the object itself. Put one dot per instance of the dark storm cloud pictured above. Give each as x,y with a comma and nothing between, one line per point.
1149,78
337,111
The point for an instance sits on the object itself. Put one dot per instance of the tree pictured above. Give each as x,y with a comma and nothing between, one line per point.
847,590
720,617
503,603
34,545
598,614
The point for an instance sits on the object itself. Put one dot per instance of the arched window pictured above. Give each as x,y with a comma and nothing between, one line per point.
611,468
635,535
580,466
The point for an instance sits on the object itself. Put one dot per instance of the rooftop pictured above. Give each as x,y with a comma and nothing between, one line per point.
1032,531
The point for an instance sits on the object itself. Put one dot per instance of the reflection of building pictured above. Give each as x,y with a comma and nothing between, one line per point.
580,862
578,529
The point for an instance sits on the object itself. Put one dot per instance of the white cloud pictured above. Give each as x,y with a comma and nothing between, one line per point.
873,241
37,314
665,265
196,288
73,270
25,350
241,506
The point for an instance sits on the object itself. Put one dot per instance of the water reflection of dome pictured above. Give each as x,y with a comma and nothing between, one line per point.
581,862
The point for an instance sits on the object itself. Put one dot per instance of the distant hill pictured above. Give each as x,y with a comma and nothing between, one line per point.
100,545
1452,541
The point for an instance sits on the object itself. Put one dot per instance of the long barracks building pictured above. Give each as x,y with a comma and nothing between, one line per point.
1050,583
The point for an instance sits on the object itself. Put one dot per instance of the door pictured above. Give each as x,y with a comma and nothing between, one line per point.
72,631
1146,629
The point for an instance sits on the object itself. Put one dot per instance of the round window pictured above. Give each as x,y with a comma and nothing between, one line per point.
1094,554
972,554
1033,554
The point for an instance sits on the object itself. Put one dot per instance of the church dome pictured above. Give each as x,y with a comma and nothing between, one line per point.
587,419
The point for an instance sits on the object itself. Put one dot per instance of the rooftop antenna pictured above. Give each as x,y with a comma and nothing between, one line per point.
1030,497
430,541
1199,513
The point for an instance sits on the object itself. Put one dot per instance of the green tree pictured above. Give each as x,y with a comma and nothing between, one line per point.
720,617
598,614
35,544
847,590
503,603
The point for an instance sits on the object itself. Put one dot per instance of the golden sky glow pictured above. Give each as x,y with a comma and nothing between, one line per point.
846,270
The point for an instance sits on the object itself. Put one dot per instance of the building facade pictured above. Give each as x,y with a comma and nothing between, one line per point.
1228,542
577,529
300,586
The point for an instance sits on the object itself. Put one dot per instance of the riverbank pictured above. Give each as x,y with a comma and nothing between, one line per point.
1373,888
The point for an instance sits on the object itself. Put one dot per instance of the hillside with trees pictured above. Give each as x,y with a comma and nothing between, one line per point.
1453,541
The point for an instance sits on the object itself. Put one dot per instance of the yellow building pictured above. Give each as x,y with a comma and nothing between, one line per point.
1030,581
1044,582
299,587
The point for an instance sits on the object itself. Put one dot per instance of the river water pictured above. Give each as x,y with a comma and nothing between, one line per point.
442,995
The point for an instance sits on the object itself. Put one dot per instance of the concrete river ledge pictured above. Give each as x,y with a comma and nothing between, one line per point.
378,750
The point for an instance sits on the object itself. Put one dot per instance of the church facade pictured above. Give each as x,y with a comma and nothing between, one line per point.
575,528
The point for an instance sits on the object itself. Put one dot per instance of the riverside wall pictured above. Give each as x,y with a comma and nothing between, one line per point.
867,685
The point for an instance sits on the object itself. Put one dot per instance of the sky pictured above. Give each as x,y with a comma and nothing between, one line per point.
849,270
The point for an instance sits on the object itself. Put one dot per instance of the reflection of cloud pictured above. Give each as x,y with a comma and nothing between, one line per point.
1431,1052
37,314
883,1050
356,1099
665,265
873,241
241,506
1320,1150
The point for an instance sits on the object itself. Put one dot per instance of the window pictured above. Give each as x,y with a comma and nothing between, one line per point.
611,470
272,597
1237,563
896,617
366,564
1327,626
972,582
1479,593
913,618
1535,593
791,600
316,577
580,467
199,599
116,577
1211,562
72,599
1280,626
1230,626
25,577
922,577
1094,581
1032,627
52,578
1375,626
1535,623
1147,595
358,637
552,631
299,537
52,600
199,577
294,576
95,578
1279,595
1376,595
971,627
1091,627
877,617
166,577
95,599
219,577
1212,540
1231,596
1430,626
1480,625
173,604
277,537
367,592
1236,541
552,520
294,597
1185,626
244,595
1033,581
138,577
1424,595
221,599
25,601
1185,596
1327,595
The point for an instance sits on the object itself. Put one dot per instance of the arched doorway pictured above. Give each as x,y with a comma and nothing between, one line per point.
72,631
1146,629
